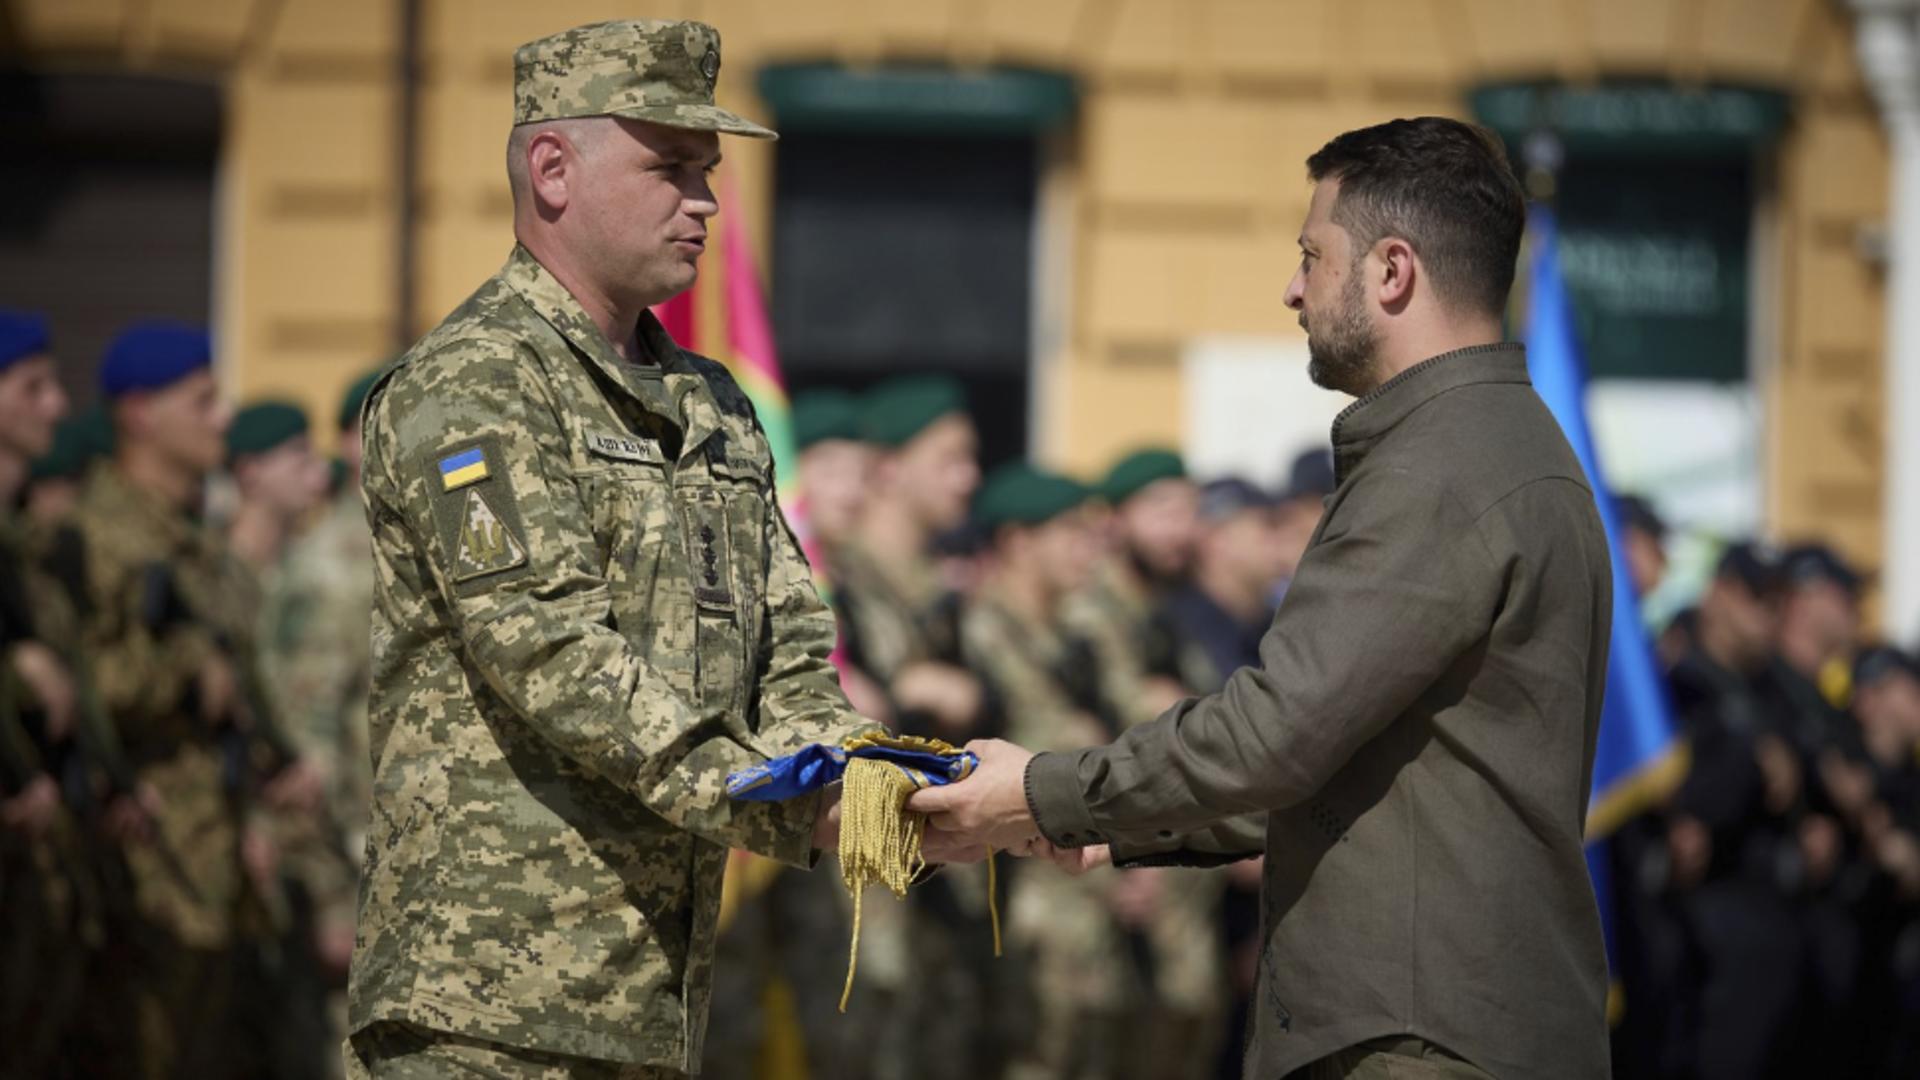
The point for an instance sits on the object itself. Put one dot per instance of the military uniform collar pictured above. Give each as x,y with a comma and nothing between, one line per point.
1363,423
699,413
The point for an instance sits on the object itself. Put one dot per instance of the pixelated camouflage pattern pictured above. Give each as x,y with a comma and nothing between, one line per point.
1081,959
390,1051
644,69
316,657
895,610
145,676
1189,970
551,740
1112,614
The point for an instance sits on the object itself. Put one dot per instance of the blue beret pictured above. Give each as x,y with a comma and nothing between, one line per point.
22,334
151,355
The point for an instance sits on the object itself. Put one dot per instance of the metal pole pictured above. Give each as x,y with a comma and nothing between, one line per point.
1890,59
406,131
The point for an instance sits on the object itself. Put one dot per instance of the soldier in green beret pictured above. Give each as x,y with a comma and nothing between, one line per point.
835,464
1152,533
279,478
588,610
55,478
1043,547
317,661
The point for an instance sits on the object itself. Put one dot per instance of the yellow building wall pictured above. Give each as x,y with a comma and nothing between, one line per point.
1187,170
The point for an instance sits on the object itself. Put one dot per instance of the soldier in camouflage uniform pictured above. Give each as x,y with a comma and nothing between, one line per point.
169,641
317,660
1152,533
927,978
41,916
1083,967
588,610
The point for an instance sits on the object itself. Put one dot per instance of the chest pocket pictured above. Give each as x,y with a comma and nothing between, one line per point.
723,514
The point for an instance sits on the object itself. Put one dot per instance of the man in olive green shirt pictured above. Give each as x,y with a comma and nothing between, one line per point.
1420,729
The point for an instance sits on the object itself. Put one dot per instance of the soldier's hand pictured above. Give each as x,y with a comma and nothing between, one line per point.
1780,772
218,690
950,694
129,818
261,858
1137,896
33,810
50,683
826,825
298,788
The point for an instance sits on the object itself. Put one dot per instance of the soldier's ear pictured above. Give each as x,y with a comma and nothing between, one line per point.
552,169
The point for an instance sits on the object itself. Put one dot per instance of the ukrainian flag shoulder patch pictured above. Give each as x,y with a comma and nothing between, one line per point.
459,470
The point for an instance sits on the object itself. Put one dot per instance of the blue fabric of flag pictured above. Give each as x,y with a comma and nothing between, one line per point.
815,766
1637,748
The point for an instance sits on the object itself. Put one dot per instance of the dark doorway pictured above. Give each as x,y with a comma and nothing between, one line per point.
898,254
106,206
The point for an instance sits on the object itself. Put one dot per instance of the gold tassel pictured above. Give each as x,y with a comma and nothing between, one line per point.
880,842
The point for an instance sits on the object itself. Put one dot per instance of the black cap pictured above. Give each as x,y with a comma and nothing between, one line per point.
1753,564
1809,563
1221,499
1310,476
1637,513
1881,661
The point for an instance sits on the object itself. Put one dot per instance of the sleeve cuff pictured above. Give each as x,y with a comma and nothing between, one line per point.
1057,802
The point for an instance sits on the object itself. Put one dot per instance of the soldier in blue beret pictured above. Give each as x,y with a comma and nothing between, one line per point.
38,918
173,627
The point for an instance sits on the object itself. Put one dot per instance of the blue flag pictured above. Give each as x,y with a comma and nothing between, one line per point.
1638,756
925,762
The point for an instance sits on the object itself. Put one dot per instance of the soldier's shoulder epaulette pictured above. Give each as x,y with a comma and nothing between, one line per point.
726,391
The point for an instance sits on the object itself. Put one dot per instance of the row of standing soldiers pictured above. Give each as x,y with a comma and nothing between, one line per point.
1768,908
183,762
1030,607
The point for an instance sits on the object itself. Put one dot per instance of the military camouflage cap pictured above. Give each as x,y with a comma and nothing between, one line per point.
644,69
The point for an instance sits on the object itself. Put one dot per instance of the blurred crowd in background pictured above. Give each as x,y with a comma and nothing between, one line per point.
184,761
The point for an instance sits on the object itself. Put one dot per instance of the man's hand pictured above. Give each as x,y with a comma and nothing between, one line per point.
986,810
33,810
51,684
950,694
1080,860
130,816
298,788
826,825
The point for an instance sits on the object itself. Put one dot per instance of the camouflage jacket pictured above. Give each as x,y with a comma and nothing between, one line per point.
316,659
588,610
1081,951
1113,615
895,615
163,592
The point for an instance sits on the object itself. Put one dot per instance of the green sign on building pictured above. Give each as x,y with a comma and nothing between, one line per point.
1654,193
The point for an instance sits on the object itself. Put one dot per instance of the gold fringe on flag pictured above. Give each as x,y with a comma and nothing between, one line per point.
880,842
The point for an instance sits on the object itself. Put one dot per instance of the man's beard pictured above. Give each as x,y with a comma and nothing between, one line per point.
1341,345
1159,580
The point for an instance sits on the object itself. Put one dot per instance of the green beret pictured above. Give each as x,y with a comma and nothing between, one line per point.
1019,494
1137,470
262,426
356,396
819,415
899,409
77,441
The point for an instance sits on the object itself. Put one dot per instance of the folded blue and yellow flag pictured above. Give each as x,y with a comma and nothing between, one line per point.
879,836
922,762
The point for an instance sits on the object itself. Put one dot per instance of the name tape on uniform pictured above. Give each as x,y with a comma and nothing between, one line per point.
625,448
